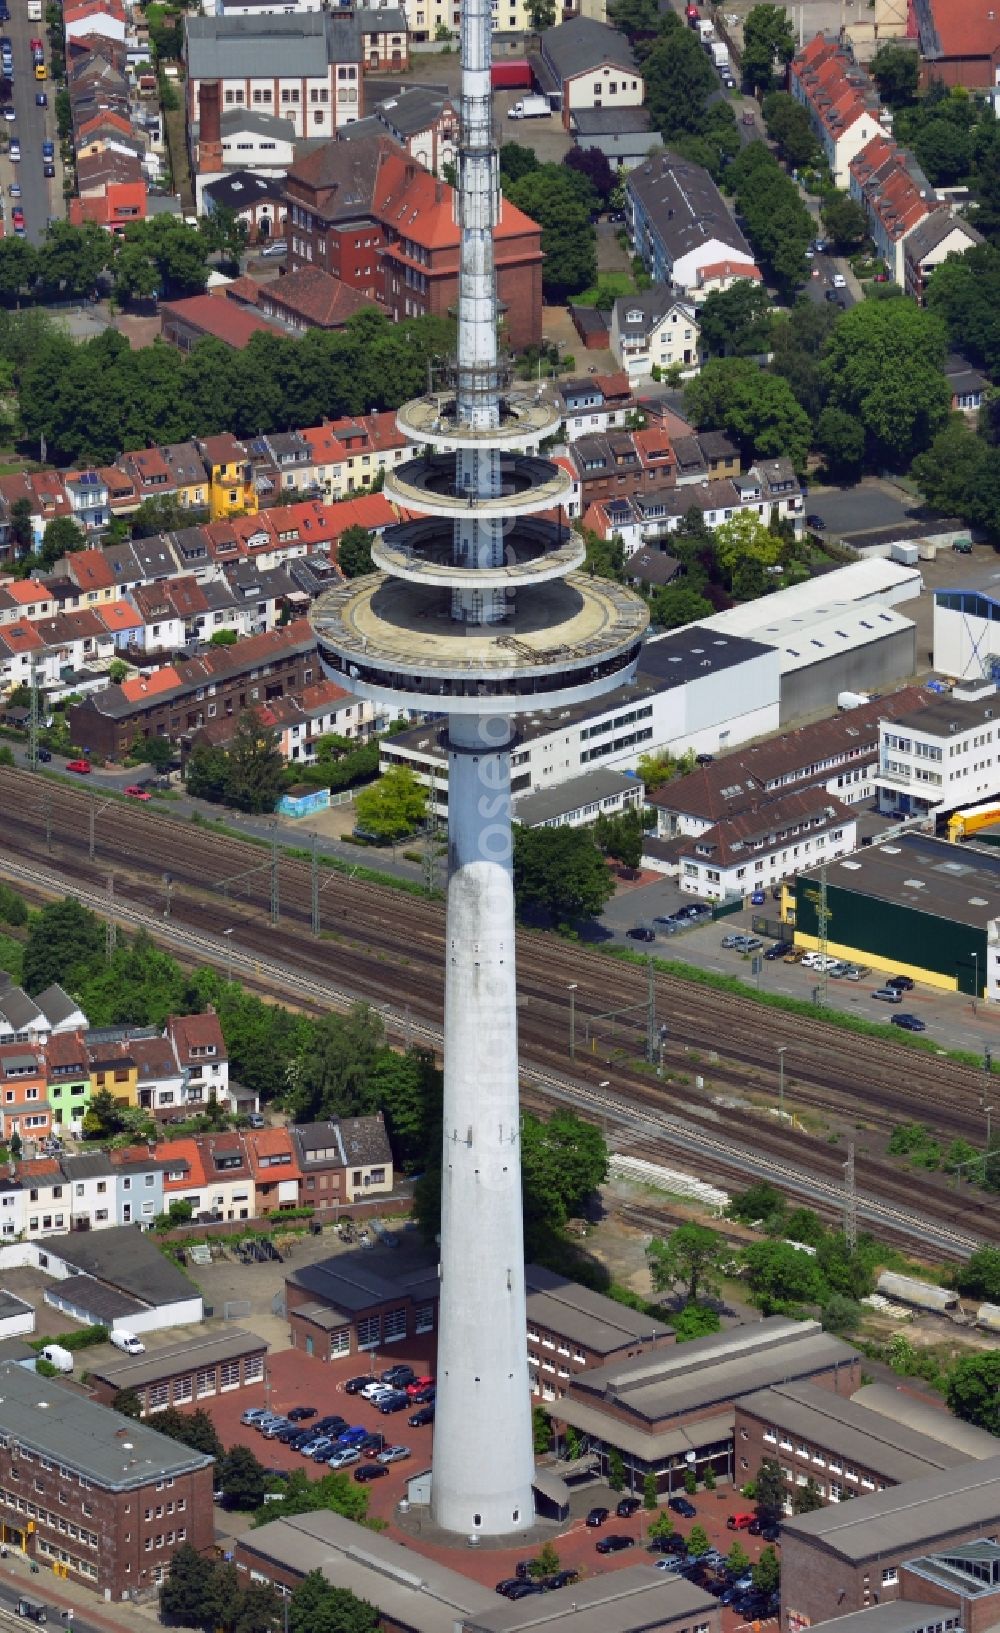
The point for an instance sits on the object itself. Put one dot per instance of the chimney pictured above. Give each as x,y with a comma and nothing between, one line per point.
210,127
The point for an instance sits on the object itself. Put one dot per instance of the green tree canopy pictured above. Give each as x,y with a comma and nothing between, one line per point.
770,1488
517,161
845,221
779,1274
563,1162
62,939
71,259
300,1494
241,1478
737,322
255,769
559,874
883,365
329,1078
768,43
759,410
673,605
319,1607
62,537
896,71
692,1257
679,81
979,1277
965,294
840,438
974,1390
354,552
694,1321
392,807
552,196
778,224
767,1572
789,128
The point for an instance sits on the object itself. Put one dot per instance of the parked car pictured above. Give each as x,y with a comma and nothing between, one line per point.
317,1446
615,1544
352,1436
597,1516
41,99
372,1391
393,1454
856,972
370,1471
681,1506
425,1415
627,1507
641,932
326,1450
397,1400
136,791
332,1424
674,1544
816,522
671,1565
373,1444
740,1522
252,1413
909,1023
733,939
81,767
561,1579
423,1397
903,983
271,1430
888,995
398,1376
778,949
524,1590
839,281
416,1386
343,1456
508,1582
354,1386
43,753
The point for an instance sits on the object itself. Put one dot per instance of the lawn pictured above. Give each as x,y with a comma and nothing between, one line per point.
609,283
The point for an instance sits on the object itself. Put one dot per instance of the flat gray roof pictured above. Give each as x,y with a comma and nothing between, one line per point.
896,1616
186,1349
126,1258
546,804
408,1589
934,1422
351,1282
714,1370
876,1442
579,1313
625,1601
649,1445
957,883
101,1303
11,1306
910,1517
946,716
116,1452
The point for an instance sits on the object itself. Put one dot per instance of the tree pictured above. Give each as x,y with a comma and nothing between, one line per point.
770,1486
559,874
694,1321
797,340
979,1277
896,71
517,161
63,939
806,1499
737,1559
553,196
117,671
841,1315
778,224
541,1431
62,537
768,40
767,1572
163,513
206,773
778,1273
194,1429
788,126
318,1607
185,1590
72,259
757,409
127,1403
974,1390
545,1562
241,1478
592,163
330,1076
650,1501
679,81
745,541
161,255
674,605
392,807
225,233
698,1542
18,267
692,1255
737,322
760,1202
354,552
541,14
883,365
254,766
845,222
224,637
564,1160
20,511
616,1470
959,475
840,438
621,837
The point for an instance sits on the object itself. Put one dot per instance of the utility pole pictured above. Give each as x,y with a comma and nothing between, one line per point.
781,1081
93,813
651,1012
571,989
48,820
850,1202
314,886
33,722
111,931
275,902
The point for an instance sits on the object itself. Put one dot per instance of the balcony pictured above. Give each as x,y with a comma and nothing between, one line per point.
903,779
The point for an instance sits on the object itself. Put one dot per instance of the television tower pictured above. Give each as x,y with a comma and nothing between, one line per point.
479,615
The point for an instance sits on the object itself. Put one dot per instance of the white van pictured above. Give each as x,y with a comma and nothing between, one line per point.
58,1357
127,1341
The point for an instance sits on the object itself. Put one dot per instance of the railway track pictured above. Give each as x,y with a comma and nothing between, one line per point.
197,931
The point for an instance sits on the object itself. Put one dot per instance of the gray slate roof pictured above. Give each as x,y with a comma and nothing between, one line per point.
923,1512
299,46
56,1005
933,230
412,110
581,44
115,1452
547,804
651,304
242,189
684,206
612,122
127,1259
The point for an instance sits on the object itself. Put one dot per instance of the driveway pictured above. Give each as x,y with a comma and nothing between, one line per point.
864,507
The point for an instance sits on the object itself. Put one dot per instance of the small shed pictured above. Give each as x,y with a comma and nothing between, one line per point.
551,1495
302,800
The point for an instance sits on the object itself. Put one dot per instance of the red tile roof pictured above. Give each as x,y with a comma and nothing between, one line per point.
89,570
150,684
890,191
124,202
190,1032
966,28
730,269
837,91
117,616
315,298
27,591
227,321
419,207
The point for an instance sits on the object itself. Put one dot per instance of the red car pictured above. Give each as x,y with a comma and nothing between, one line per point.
135,792
417,1385
36,45
17,216
81,766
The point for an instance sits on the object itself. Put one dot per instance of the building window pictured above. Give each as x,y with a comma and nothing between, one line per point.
340,1342
395,1325
369,1332
205,1382
423,1318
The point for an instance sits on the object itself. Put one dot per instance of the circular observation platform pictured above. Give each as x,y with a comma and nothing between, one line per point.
524,420
534,552
429,485
568,640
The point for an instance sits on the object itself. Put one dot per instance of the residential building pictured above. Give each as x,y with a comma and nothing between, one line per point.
67,1075
590,65
623,135
310,298
275,1168
943,757
342,1161
622,464
177,700
111,1522
759,848
300,722
256,199
212,1174
894,906
594,405
653,329
200,1051
967,386
841,1559
384,39
230,472
305,66
959,45
88,497
421,119
939,235
840,99
25,1109
680,226
895,195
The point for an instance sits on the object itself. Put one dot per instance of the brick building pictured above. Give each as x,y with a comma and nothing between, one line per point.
343,1161
100,1494
845,1558
173,1374
175,701
305,67
844,1447
366,212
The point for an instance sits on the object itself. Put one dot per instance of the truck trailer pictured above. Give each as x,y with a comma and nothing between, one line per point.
513,75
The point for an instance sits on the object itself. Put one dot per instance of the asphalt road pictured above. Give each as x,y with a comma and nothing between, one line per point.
822,268
865,507
39,198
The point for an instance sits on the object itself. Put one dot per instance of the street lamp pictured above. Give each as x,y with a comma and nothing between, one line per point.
229,953
571,989
781,1081
975,980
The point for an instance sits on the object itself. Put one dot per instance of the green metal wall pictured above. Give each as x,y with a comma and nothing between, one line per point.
893,931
